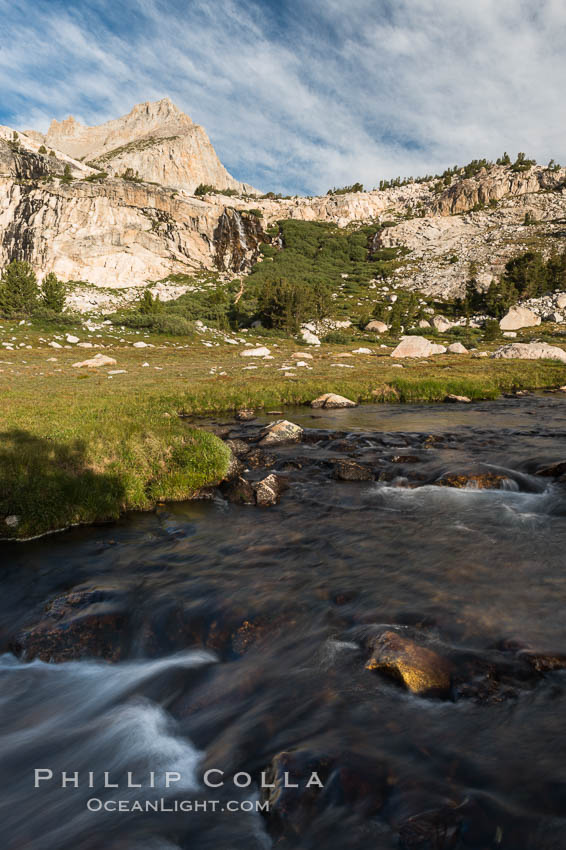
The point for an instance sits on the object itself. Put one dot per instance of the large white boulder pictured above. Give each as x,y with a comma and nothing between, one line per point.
530,351
561,301
417,346
519,317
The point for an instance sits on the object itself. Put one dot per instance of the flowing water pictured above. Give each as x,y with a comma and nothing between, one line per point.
210,635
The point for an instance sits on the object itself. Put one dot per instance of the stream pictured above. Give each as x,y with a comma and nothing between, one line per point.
262,646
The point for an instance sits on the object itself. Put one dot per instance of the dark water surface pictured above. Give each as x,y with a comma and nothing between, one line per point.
213,635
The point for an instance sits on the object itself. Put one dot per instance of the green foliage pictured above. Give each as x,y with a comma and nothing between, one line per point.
475,166
491,330
131,176
346,190
522,163
256,213
67,175
553,166
149,305
207,189
285,306
504,160
528,275
42,149
19,292
53,293
529,219
97,178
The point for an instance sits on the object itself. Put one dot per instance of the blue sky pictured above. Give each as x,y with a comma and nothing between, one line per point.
301,95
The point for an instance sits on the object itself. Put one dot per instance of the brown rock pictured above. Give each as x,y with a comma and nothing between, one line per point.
477,481
421,670
239,492
245,415
268,490
349,470
457,399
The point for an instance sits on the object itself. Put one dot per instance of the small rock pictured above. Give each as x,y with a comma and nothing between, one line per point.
309,337
261,351
561,301
376,326
457,348
455,399
95,362
245,414
362,351
553,470
140,344
441,324
510,334
55,345
349,470
331,401
281,432
421,670
84,345
301,355
12,521
268,490
424,323
239,492
72,339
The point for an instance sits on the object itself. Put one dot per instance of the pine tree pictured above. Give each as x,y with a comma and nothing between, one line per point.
19,291
53,293
67,176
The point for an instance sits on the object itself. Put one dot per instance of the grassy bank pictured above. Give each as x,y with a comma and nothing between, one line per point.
80,446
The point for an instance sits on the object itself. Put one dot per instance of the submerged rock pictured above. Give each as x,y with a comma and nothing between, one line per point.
331,401
553,470
349,470
473,481
421,670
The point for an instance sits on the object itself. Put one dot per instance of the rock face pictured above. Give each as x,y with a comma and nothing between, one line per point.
519,317
530,351
417,346
156,140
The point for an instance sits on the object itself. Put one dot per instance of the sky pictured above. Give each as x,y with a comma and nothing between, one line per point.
298,96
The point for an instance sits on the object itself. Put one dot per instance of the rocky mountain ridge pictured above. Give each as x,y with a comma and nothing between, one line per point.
116,234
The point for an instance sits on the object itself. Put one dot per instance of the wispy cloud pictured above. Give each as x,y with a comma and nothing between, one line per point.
300,95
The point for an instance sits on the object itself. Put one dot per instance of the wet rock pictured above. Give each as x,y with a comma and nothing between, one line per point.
268,490
530,351
553,470
349,470
421,670
238,447
245,415
235,469
256,458
519,317
87,622
239,492
457,399
405,459
331,401
281,432
417,346
473,481
291,808
543,662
